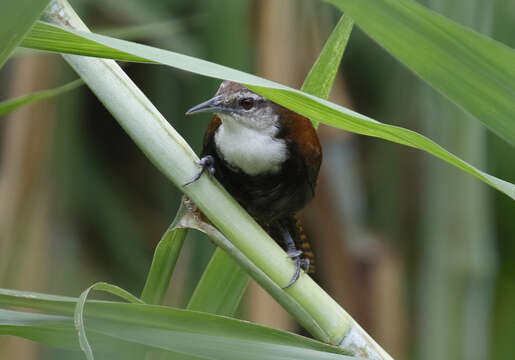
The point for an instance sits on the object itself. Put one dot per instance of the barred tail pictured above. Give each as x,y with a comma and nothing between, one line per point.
294,227
302,242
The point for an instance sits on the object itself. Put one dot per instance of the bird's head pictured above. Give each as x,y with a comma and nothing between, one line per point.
238,106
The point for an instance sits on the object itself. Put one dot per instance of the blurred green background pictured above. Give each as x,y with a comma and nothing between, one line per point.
420,254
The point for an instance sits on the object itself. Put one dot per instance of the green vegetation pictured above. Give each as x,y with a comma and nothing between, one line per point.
472,70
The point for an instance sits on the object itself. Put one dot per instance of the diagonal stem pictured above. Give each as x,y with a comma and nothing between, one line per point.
322,316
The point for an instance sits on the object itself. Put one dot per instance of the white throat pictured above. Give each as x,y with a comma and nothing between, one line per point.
251,150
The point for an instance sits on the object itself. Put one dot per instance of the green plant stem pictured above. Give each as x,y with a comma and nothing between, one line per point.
191,220
173,156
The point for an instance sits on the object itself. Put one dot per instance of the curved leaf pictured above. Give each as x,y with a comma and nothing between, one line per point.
78,316
314,108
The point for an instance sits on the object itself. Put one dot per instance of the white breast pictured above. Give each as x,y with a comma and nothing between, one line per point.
251,150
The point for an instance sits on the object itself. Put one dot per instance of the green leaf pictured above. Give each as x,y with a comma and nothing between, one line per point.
52,330
310,106
472,70
320,79
351,121
221,287
163,263
185,332
47,37
16,20
58,331
7,106
54,304
78,315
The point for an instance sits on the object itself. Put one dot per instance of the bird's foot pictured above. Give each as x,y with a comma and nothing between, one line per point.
294,254
206,163
299,263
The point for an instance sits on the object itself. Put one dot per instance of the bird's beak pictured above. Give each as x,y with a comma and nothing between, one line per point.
211,105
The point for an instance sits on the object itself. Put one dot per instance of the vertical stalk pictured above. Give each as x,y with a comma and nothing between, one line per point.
458,257
26,254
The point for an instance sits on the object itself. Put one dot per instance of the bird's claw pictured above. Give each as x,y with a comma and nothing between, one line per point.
294,253
206,163
299,263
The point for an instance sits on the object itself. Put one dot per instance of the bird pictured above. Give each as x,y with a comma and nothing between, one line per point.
268,158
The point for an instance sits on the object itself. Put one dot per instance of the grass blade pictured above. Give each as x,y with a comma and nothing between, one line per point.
10,105
46,37
472,70
58,331
320,79
221,287
183,332
163,263
308,105
15,21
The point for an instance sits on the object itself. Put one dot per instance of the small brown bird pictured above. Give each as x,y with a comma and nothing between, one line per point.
267,157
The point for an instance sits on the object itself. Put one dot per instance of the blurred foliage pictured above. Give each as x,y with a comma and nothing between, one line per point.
109,206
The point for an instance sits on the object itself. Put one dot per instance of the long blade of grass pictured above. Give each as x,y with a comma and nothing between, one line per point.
320,79
16,19
54,304
10,105
183,332
44,36
221,287
163,263
51,330
59,332
314,108
472,70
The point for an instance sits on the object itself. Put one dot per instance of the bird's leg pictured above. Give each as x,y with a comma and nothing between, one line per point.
294,254
206,163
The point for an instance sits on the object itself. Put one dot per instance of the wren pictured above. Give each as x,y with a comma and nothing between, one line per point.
267,157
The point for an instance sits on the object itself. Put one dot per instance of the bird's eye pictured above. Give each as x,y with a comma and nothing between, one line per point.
247,103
